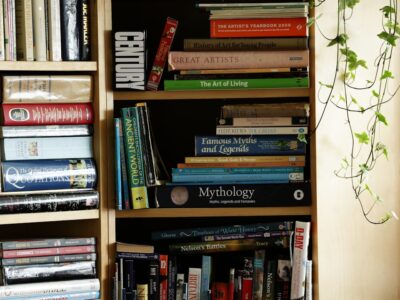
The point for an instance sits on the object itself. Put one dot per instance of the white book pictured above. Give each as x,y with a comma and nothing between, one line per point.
2,53
46,148
9,29
39,30
24,29
300,253
45,130
308,280
28,290
194,283
54,23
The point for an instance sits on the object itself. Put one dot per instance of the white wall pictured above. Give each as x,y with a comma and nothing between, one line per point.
357,260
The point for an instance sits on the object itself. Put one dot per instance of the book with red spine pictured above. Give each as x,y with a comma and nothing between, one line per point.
262,27
163,276
46,114
47,251
247,288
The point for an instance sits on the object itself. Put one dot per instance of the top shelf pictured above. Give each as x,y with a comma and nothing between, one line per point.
219,94
56,66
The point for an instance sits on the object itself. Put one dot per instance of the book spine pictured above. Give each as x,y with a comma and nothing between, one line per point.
282,284
54,14
248,145
39,27
269,280
245,159
36,148
154,280
200,171
172,271
117,164
43,131
162,53
205,277
48,202
247,71
240,75
265,110
242,165
47,114
47,88
258,275
180,280
49,288
194,283
48,272
18,253
134,158
48,259
2,17
236,84
138,256
163,277
179,60
130,60
231,287
264,121
51,174
84,28
9,30
238,178
247,288
70,30
236,195
47,243
230,245
126,202
300,256
24,28
256,44
266,27
252,235
231,130
309,293
203,231
66,296
219,291
128,277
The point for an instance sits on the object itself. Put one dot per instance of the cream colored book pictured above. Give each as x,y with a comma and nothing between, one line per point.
47,88
24,29
2,54
54,21
39,30
9,30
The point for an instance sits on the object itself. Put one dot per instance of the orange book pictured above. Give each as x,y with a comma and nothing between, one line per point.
263,27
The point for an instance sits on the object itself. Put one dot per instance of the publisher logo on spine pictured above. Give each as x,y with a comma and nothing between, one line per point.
298,195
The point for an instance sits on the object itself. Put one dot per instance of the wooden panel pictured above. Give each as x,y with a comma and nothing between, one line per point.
53,66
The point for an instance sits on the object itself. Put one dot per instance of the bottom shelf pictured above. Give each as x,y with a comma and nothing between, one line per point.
49,216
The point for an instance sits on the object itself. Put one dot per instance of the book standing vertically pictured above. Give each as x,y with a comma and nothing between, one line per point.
299,265
117,163
162,53
70,30
84,28
24,29
54,23
39,30
194,283
2,49
9,30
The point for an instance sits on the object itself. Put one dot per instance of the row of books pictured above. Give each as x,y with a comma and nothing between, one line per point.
194,264
44,30
251,45
45,146
59,268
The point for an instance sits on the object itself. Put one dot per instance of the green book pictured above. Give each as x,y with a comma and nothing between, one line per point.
235,84
134,158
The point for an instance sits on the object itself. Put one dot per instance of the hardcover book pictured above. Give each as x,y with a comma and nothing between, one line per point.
260,110
246,159
40,30
24,29
48,259
84,29
260,130
48,175
14,204
46,243
130,60
2,17
194,283
70,30
18,253
45,130
54,24
47,88
236,195
36,148
46,114
9,30
249,145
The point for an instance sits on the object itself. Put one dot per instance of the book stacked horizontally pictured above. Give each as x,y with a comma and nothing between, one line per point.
44,30
46,143
58,268
251,45
256,158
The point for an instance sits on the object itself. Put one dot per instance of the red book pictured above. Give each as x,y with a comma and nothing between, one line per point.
247,288
47,114
47,251
268,27
163,277
219,291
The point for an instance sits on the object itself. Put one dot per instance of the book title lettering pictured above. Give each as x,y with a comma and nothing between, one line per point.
221,192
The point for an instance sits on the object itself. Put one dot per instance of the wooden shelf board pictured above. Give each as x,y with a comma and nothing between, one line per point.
49,216
59,66
231,94
214,212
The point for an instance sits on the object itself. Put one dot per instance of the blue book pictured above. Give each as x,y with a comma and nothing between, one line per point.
241,177
205,277
117,162
248,145
36,175
266,170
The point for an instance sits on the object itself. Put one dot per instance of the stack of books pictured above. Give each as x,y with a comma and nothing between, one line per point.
33,268
46,142
44,30
251,45
256,158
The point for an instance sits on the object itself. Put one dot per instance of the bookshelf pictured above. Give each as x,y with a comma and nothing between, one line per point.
122,223
83,222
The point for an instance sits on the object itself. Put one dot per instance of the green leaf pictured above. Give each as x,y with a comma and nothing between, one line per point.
326,85
363,137
387,10
388,37
387,74
343,4
363,168
312,20
345,164
302,138
340,39
375,94
381,118
386,218
382,147
368,189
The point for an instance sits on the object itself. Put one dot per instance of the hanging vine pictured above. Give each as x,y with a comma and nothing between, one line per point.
343,93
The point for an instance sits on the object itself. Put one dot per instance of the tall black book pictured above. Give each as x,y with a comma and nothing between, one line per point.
84,29
70,35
